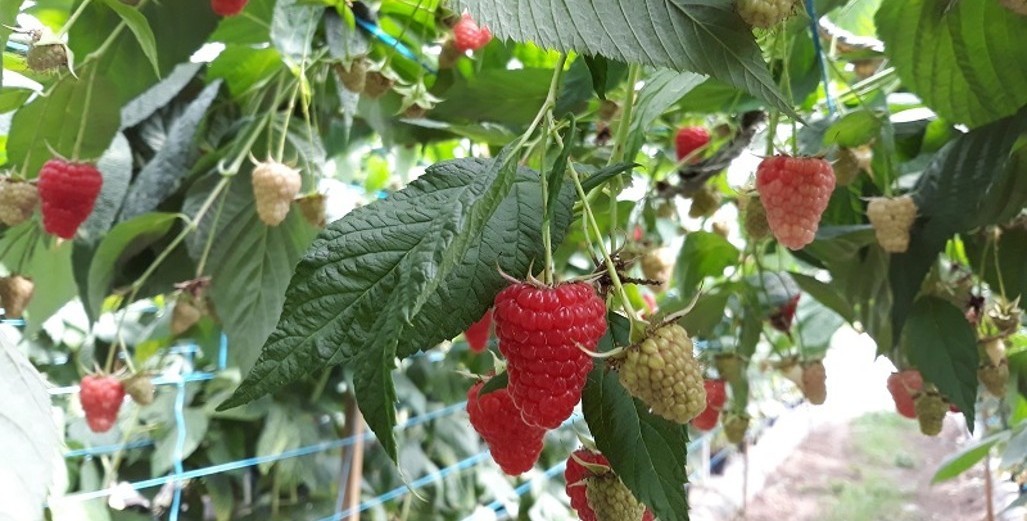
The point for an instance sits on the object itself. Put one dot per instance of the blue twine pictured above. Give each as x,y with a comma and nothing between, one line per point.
391,41
176,501
107,449
821,59
16,322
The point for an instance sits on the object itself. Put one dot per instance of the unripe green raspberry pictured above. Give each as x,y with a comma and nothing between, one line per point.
755,223
611,500
662,372
892,219
735,424
930,412
764,13
729,366
704,203
994,377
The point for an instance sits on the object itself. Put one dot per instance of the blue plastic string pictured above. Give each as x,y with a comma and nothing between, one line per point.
16,322
819,50
391,41
180,427
107,449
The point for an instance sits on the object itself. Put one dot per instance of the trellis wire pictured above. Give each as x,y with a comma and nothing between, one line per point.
818,49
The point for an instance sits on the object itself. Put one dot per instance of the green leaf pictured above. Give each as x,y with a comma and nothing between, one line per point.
1010,256
500,381
702,36
706,315
953,196
597,68
943,346
854,129
826,294
53,122
124,240
661,91
280,433
163,174
8,15
559,170
603,175
140,27
704,254
149,102
345,303
498,95
163,457
50,268
958,56
12,98
250,261
961,461
647,452
29,434
244,67
179,29
293,24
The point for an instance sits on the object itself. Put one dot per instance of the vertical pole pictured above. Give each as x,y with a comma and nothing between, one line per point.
351,473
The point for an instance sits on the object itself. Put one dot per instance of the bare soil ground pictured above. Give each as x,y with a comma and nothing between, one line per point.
875,468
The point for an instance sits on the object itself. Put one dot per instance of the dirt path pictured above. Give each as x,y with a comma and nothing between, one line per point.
875,468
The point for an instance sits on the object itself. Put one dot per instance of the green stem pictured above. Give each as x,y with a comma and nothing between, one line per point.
624,126
285,124
84,115
210,237
71,19
611,268
547,236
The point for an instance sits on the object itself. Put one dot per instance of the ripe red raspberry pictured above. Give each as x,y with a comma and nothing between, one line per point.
794,192
690,139
716,393
67,193
903,386
477,334
274,187
539,330
467,36
515,445
101,398
574,476
707,419
228,7
781,319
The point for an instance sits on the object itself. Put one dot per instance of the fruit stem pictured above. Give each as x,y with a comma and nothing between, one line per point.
611,268
85,114
625,120
202,264
71,19
285,124
547,236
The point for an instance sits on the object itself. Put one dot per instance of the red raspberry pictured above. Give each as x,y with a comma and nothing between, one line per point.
707,419
101,398
467,36
794,192
228,7
690,139
903,386
781,319
477,334
539,330
515,445
574,475
67,193
716,393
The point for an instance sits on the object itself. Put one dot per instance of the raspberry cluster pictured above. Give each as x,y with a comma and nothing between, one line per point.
274,187
101,398
514,444
468,36
892,218
67,193
540,331
662,372
794,192
577,477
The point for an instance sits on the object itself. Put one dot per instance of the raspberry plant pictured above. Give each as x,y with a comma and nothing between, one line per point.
748,175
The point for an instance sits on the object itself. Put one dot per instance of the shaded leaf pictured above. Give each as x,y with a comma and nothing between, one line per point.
140,28
943,346
703,36
144,105
704,254
661,91
966,458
